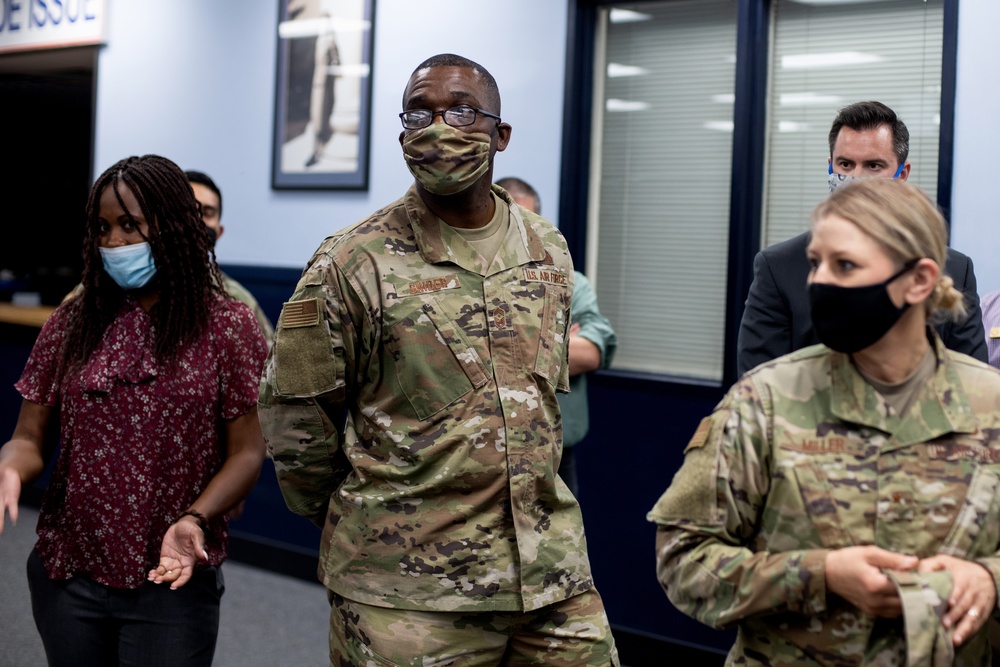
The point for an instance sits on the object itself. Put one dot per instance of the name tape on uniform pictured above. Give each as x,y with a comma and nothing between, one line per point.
435,284
551,276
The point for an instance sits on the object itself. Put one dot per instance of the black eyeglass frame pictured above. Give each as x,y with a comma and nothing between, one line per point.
444,116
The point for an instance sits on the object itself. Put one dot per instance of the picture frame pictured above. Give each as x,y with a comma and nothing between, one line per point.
322,111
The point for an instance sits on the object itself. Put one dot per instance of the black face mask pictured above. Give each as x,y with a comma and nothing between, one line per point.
849,319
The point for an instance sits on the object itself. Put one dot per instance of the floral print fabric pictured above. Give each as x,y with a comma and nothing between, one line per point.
140,440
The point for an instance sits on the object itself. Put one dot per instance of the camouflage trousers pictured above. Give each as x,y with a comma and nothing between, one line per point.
571,633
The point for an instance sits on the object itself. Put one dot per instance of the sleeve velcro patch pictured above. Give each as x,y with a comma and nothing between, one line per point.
691,495
308,355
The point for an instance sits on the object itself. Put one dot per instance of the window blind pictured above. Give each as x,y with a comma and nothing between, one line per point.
828,55
663,148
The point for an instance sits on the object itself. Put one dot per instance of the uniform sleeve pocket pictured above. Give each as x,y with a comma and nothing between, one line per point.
692,495
309,356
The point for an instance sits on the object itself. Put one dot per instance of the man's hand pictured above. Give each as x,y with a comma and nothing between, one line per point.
584,356
855,574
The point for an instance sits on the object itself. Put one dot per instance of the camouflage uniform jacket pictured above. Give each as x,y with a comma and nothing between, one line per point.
409,405
803,456
242,294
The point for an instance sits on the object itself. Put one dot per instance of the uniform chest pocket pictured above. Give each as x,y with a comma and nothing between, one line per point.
434,362
939,497
549,360
822,505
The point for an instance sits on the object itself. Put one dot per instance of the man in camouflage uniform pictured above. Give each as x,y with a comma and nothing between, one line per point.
409,404
803,457
210,197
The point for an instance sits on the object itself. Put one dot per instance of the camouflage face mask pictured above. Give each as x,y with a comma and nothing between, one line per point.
446,160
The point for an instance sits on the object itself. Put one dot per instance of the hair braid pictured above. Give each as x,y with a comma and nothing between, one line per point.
187,274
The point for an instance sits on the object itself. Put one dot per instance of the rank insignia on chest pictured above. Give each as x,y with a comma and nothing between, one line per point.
994,332
304,313
500,318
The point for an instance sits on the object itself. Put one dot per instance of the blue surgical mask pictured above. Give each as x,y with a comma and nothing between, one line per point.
131,266
840,180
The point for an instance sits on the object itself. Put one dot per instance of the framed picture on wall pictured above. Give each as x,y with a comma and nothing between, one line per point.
323,94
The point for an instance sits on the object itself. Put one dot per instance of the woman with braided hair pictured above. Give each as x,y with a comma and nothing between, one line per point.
152,373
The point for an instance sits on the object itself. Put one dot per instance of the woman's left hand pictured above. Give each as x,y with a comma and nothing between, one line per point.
182,547
973,595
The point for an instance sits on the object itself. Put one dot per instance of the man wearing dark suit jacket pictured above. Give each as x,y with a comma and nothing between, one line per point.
866,140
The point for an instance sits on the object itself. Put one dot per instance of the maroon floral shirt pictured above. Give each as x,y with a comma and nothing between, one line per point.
140,441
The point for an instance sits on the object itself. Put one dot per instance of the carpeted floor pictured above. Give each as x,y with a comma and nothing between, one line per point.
267,619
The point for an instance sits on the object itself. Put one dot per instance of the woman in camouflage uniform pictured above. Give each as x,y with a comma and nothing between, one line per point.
840,506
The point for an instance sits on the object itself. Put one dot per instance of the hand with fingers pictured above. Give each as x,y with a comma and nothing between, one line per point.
855,574
182,547
973,595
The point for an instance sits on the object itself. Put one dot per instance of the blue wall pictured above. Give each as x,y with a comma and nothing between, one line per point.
266,520
635,445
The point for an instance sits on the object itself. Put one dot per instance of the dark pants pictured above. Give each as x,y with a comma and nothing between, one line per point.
84,623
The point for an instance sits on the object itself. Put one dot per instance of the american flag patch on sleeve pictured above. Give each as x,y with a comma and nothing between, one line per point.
303,313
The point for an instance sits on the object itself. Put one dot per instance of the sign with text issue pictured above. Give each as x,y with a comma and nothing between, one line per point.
27,25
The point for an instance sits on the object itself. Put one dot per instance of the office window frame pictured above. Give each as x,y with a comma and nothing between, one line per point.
663,109
889,54
753,43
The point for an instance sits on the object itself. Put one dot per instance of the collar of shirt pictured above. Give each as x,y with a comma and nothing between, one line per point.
942,405
521,246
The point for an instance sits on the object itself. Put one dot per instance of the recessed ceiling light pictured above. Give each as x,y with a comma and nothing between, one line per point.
625,105
627,16
616,70
808,100
822,3
719,125
321,26
821,60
